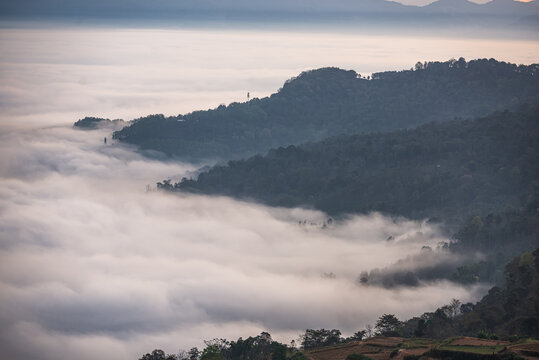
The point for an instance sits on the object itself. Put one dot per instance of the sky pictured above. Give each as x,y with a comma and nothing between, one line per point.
59,75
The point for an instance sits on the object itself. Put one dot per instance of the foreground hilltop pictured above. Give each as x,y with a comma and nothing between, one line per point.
330,101
398,348
501,326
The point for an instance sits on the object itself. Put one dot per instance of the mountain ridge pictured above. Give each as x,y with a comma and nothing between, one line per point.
325,102
449,170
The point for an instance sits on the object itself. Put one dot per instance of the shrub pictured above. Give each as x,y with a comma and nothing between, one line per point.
482,335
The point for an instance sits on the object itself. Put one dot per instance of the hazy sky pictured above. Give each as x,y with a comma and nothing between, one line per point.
61,75
175,11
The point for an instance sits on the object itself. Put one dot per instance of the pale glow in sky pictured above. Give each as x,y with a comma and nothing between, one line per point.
61,75
426,2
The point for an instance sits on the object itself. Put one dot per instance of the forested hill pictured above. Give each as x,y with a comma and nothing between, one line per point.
505,322
330,101
509,311
513,309
449,170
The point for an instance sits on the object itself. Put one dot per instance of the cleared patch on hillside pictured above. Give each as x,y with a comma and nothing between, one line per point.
395,348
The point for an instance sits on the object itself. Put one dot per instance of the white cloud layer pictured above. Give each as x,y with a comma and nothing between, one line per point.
66,73
92,265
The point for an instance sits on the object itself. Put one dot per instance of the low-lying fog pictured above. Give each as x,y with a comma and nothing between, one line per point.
65,73
93,264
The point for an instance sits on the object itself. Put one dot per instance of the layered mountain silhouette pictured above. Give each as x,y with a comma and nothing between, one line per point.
258,8
450,170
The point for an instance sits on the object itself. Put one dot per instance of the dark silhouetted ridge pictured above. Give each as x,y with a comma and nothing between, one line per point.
330,101
446,170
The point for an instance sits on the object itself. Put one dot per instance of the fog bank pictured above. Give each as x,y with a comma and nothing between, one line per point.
91,264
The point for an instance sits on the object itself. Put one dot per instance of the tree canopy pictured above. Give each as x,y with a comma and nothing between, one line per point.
449,171
317,338
388,325
326,102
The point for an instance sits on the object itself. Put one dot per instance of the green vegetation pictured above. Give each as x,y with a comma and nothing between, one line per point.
388,325
502,313
317,338
448,171
158,355
330,101
510,312
501,237
261,347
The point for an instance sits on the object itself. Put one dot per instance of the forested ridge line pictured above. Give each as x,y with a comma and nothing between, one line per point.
504,323
329,101
448,170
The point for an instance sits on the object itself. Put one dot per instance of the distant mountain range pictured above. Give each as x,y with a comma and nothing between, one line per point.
252,9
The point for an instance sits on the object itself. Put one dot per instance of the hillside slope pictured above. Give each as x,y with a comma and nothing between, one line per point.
448,170
513,309
509,311
330,101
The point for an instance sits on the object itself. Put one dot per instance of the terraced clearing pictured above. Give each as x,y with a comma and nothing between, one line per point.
477,342
381,348
485,350
527,350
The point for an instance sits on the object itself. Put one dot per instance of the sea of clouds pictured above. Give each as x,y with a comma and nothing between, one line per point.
93,264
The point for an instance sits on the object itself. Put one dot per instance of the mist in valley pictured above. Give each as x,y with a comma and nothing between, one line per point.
92,263
95,261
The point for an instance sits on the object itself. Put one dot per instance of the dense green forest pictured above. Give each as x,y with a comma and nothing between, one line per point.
507,313
330,101
498,236
510,310
450,170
